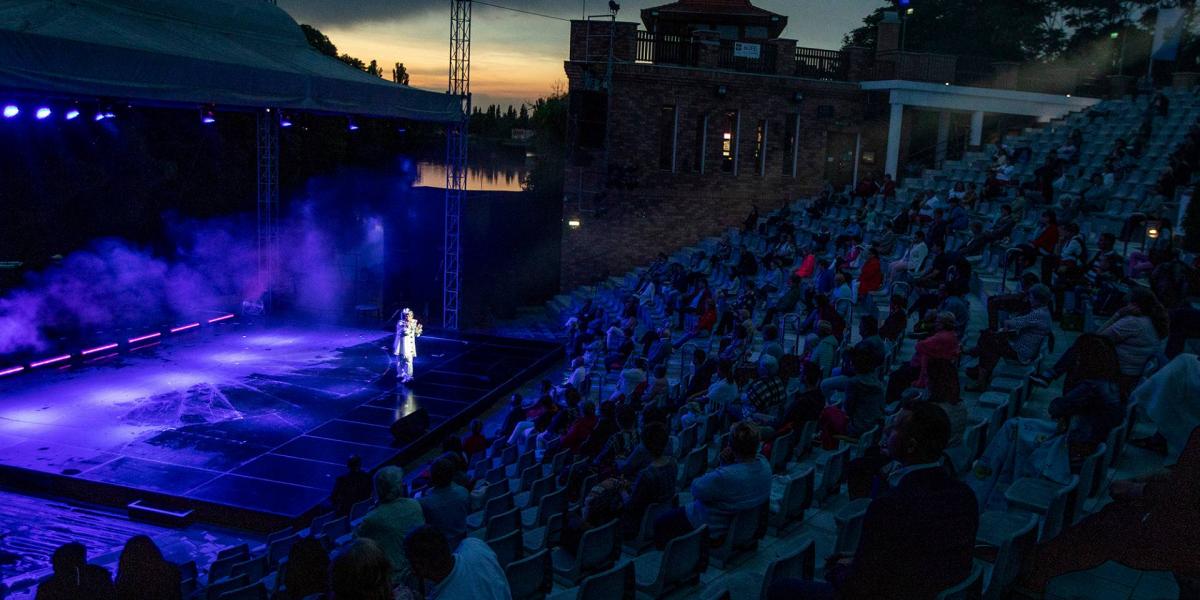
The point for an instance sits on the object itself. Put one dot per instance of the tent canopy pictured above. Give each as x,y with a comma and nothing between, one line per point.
231,53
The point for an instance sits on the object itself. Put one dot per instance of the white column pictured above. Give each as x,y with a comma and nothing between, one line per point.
943,137
893,147
977,128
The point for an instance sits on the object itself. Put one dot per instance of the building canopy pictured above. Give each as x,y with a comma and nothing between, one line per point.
230,53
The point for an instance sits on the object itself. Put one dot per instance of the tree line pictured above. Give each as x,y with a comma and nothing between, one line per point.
325,46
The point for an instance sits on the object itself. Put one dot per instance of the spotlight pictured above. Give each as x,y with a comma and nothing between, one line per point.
208,116
11,110
72,114
100,116
285,120
42,113
353,126
574,223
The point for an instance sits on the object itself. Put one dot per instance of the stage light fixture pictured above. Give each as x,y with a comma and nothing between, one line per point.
285,120
352,125
72,114
43,113
11,110
574,223
208,116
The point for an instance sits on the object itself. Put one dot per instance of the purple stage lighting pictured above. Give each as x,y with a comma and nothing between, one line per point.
143,338
11,110
50,361
185,327
11,370
285,121
221,318
42,113
353,126
72,114
90,351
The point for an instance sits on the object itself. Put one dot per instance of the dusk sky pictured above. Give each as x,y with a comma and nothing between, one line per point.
515,57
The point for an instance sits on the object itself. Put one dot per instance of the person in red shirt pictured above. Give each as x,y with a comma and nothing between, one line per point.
476,442
579,431
942,345
1045,244
871,277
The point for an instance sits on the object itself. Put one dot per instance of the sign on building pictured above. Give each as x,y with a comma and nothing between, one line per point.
747,50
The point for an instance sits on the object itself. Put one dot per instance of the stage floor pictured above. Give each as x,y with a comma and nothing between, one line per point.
245,418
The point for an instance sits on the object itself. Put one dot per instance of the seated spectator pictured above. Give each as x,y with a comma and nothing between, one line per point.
824,351
918,536
723,390
704,324
913,261
943,344
1090,406
515,414
1152,524
957,218
862,404
764,395
445,504
654,484
602,504
896,321
704,368
632,377
143,573
74,578
1044,244
392,518
1138,330
471,572
885,241
841,289
1016,302
771,346
307,572
474,444
351,487
1020,340
870,278
362,571
581,428
742,481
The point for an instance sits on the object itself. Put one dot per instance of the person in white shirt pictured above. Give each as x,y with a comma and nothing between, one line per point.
841,289
472,572
723,389
913,258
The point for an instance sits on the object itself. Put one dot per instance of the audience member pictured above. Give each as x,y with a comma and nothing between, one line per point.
74,578
470,572
392,518
307,571
351,487
143,573
445,504
362,571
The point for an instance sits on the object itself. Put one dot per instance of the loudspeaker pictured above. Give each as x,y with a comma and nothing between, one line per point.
408,428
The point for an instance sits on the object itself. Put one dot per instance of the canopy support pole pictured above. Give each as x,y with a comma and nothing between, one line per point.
268,203
456,157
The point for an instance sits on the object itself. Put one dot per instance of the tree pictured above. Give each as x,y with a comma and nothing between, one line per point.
357,63
523,116
967,28
318,40
400,74
374,69
548,119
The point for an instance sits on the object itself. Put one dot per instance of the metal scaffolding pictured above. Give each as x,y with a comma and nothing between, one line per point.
456,157
268,203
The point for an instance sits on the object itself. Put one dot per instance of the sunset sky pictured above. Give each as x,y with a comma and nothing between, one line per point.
515,57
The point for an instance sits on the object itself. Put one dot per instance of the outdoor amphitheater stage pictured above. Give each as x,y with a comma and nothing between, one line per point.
242,424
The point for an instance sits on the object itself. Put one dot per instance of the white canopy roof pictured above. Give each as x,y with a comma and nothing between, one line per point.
232,53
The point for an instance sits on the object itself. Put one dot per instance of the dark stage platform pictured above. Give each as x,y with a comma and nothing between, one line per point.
244,425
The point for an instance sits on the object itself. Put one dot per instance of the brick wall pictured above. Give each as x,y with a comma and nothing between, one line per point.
666,210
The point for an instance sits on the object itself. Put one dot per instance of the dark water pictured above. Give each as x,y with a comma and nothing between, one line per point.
488,170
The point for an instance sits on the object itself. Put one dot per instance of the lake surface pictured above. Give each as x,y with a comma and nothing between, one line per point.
502,170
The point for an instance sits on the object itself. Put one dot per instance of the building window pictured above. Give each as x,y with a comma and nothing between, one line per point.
701,142
668,127
729,142
791,134
760,148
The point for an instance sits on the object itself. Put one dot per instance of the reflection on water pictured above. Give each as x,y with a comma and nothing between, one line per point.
493,175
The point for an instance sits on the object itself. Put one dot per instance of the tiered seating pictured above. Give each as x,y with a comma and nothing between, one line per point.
806,485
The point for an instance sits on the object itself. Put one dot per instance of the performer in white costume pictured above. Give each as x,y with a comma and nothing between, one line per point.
405,348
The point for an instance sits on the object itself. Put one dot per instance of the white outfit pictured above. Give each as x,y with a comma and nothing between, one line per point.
1166,398
405,347
477,575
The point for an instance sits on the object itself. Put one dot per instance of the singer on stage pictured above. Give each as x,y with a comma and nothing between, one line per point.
405,349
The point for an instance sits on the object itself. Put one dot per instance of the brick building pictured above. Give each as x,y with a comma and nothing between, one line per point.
695,119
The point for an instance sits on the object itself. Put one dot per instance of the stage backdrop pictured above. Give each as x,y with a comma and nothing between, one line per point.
510,250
